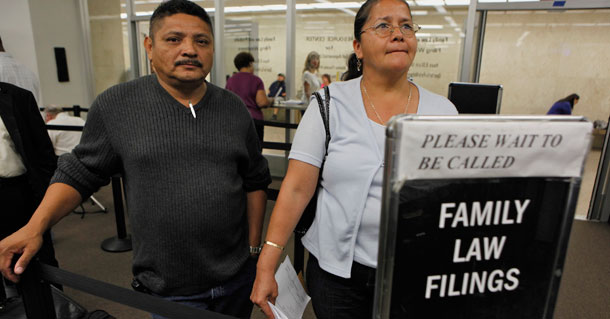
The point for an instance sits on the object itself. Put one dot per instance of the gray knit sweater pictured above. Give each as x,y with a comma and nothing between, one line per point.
186,179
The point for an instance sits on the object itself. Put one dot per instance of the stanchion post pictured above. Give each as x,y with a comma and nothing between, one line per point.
122,242
76,110
36,294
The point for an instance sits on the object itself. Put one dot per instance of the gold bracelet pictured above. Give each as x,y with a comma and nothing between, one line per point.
274,245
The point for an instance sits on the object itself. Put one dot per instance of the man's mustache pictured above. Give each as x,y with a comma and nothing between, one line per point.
188,62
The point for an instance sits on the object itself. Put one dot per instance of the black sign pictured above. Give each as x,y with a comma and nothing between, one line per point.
480,248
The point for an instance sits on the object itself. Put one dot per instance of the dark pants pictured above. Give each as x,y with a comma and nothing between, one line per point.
260,130
231,298
336,297
18,205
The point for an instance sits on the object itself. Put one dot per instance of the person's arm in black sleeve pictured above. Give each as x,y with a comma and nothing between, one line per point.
43,160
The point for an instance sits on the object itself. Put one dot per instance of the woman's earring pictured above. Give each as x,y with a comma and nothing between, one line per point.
359,64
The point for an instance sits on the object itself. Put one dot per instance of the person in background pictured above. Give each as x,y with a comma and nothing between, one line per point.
12,71
564,106
250,89
276,89
195,178
63,141
311,79
352,68
27,162
343,238
325,80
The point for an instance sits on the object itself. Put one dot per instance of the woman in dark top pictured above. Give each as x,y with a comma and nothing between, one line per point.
564,106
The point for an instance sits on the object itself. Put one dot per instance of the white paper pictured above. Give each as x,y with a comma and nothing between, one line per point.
292,298
277,313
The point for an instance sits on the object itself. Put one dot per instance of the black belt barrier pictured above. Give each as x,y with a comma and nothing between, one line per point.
38,302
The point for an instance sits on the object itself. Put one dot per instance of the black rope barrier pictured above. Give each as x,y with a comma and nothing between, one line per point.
280,124
75,128
38,302
277,146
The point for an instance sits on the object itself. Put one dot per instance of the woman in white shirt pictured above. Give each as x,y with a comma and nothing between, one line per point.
343,238
311,80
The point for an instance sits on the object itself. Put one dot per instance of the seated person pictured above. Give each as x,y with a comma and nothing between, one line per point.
63,141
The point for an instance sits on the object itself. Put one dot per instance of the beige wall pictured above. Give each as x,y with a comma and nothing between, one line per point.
31,29
540,57
57,24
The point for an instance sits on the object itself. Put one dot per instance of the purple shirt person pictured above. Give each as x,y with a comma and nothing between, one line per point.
250,89
245,85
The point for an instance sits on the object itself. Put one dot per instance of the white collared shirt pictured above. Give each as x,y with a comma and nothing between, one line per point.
65,141
11,164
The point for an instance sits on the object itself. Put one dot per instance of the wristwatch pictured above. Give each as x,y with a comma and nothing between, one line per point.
255,250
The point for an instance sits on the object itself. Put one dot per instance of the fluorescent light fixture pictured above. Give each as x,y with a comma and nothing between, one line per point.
419,12
431,26
523,0
485,1
143,13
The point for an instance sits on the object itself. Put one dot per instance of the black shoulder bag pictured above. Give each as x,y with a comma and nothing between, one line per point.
310,211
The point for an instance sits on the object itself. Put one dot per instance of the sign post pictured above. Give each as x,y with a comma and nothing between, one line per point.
476,215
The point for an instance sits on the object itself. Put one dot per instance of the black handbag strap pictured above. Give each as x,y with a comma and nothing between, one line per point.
325,113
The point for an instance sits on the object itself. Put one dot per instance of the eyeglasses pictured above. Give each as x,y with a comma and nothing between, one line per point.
385,29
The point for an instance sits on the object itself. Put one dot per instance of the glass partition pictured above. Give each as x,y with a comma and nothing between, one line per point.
439,46
109,43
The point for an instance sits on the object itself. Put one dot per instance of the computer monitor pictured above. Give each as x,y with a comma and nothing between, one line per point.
475,98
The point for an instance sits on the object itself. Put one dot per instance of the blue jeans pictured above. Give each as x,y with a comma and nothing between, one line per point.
334,297
231,298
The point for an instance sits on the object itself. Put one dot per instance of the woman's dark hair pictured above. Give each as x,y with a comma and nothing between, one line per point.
352,68
570,98
243,60
172,7
361,17
326,75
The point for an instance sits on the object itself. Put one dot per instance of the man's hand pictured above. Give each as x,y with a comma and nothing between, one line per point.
265,288
25,242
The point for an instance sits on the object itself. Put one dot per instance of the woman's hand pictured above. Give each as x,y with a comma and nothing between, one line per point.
265,289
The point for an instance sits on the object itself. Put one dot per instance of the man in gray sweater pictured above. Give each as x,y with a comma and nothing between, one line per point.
194,176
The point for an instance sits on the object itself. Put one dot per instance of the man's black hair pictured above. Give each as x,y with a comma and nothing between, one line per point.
172,7
242,60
